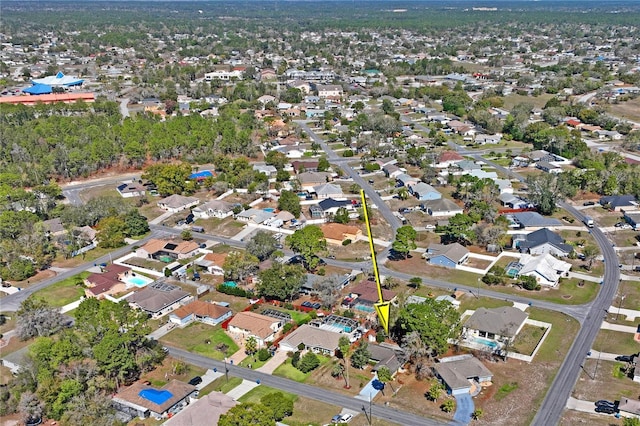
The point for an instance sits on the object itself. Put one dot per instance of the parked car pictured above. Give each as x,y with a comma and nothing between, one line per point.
589,203
336,418
195,381
605,403
346,418
605,409
316,306
625,358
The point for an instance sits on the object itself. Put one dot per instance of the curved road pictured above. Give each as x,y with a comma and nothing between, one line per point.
385,413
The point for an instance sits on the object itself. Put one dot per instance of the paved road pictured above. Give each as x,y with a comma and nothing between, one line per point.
316,393
12,302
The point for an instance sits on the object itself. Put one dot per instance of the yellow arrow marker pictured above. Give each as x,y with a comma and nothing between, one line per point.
383,309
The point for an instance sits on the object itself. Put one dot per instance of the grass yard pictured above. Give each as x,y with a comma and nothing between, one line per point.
563,331
220,385
63,292
288,371
631,290
598,381
628,109
194,336
255,395
296,316
572,417
154,265
528,338
616,342
164,372
537,101
505,390
72,262
310,412
624,238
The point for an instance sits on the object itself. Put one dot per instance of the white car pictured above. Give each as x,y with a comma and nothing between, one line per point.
346,418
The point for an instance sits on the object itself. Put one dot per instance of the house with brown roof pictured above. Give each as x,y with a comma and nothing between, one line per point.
145,401
108,282
366,293
198,310
314,339
176,203
159,298
336,233
168,249
448,159
300,166
252,324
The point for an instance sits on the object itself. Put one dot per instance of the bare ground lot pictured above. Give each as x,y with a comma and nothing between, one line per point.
599,382
227,227
629,109
571,417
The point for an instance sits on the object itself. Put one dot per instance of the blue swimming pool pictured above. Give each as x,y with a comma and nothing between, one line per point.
156,396
137,280
491,343
230,284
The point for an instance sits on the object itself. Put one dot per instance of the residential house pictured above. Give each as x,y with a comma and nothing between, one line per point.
166,250
338,281
108,282
448,159
514,201
204,410
314,339
266,169
300,166
383,162
633,219
159,298
198,310
447,255
336,233
533,220
254,216
176,203
548,167
366,293
144,401
385,355
546,269
424,192
392,171
310,179
252,324
619,202
483,139
542,241
328,190
504,186
131,189
329,91
218,209
462,373
213,263
629,407
406,180
450,299
608,134
53,226
442,208
500,324
303,86
329,207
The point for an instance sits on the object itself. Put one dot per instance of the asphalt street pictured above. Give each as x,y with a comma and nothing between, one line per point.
307,391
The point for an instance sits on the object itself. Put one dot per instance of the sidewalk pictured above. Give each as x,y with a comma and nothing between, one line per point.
585,277
160,218
617,327
245,232
580,405
603,356
242,389
630,314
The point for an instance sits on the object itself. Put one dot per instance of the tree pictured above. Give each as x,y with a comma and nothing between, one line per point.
344,346
278,403
459,229
590,252
341,216
239,265
136,223
251,345
186,235
248,415
262,245
323,164
529,283
169,178
361,355
111,232
30,407
290,202
448,406
385,376
328,290
37,318
405,240
477,414
308,362
435,322
416,282
280,282
309,242
545,190
435,391
92,408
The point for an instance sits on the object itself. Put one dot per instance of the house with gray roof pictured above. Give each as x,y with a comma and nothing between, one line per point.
542,241
514,201
633,219
499,324
176,202
449,255
315,339
442,208
385,355
534,220
406,180
159,298
328,190
423,192
254,216
214,208
462,373
619,202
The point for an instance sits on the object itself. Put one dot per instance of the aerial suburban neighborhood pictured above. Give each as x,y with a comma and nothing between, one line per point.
310,213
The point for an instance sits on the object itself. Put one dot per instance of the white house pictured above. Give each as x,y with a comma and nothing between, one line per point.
546,269
215,208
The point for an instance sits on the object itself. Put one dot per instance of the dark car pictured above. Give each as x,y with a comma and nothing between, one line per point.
189,218
316,306
605,403
307,304
625,358
195,381
588,203
605,409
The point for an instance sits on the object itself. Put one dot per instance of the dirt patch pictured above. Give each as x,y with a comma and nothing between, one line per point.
571,418
166,371
354,251
477,263
597,381
629,109
227,227
40,276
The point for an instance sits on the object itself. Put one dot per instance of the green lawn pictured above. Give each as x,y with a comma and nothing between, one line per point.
63,292
193,339
220,385
288,371
563,331
296,316
616,342
256,394
254,364
505,390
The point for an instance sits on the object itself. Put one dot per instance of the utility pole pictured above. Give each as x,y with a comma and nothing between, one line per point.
622,296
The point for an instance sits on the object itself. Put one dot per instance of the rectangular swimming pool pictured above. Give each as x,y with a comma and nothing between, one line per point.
137,280
491,343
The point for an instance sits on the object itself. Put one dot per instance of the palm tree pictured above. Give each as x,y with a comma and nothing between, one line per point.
345,351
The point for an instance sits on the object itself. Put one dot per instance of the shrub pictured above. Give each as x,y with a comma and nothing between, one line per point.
347,153
295,360
263,354
234,291
308,362
346,242
287,328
